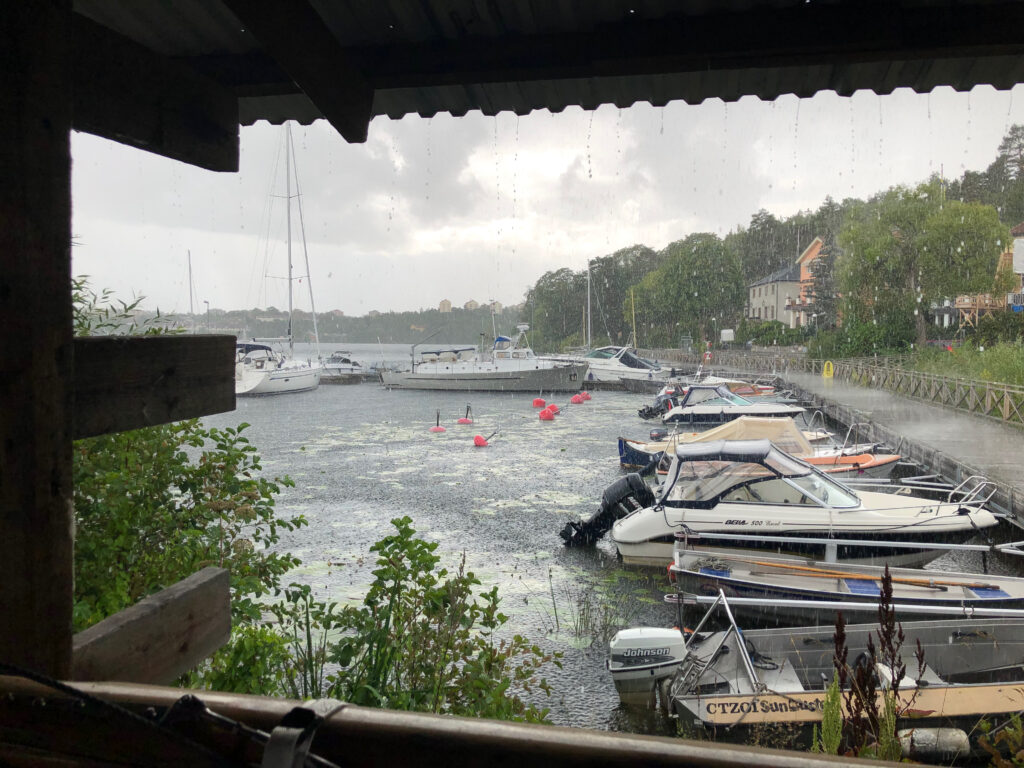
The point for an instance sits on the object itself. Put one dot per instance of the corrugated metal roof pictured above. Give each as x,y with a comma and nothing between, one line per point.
458,56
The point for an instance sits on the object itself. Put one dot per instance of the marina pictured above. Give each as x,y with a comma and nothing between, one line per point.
362,456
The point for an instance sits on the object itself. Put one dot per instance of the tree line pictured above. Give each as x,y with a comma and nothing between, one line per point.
884,263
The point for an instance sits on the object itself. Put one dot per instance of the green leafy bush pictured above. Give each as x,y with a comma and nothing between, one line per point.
421,640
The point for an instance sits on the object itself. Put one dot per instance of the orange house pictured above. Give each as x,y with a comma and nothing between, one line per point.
801,307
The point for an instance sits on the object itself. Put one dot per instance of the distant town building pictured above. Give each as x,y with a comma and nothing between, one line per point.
495,306
786,295
471,305
373,313
337,313
418,328
445,306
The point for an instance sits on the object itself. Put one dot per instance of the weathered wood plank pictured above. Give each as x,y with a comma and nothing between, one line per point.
127,93
296,37
160,637
128,382
35,314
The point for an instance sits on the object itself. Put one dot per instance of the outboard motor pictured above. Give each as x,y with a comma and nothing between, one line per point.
662,405
624,496
659,433
640,657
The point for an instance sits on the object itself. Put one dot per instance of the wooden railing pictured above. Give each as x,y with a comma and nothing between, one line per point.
1004,402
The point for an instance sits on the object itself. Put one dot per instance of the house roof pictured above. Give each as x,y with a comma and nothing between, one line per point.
790,274
1018,231
350,60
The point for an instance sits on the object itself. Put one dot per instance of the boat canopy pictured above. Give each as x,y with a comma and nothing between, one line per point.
447,350
783,433
705,474
702,393
246,347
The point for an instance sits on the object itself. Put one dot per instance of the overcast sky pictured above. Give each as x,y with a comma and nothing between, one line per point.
480,207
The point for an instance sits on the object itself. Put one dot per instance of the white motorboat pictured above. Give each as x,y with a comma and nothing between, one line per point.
259,369
510,366
611,364
750,487
716,404
860,460
968,668
341,368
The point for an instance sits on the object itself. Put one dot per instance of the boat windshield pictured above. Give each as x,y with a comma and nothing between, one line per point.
698,395
780,479
604,353
631,360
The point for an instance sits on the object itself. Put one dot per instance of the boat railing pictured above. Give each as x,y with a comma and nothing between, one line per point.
962,611
694,673
853,431
974,490
685,537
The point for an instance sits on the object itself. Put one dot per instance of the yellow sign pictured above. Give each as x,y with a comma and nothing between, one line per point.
827,370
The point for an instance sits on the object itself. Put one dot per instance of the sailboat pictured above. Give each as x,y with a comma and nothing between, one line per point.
259,368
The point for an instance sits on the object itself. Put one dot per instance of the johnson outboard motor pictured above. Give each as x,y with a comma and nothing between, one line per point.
640,657
625,495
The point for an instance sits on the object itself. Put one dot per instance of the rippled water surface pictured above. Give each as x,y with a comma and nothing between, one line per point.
361,455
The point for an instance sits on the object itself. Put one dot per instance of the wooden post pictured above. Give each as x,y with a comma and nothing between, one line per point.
36,570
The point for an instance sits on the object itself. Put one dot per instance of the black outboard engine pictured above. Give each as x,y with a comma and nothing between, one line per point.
625,495
658,433
662,405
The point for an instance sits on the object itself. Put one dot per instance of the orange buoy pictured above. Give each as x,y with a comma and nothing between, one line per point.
538,402
480,441
547,415
576,399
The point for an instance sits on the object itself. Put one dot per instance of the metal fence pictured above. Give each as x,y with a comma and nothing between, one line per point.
1004,402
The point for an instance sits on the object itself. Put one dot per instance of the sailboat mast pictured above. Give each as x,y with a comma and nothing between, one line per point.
288,204
590,336
191,309
632,301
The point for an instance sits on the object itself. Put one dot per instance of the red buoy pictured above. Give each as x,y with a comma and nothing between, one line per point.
468,418
538,402
437,427
546,415
585,395
480,441
576,399
553,408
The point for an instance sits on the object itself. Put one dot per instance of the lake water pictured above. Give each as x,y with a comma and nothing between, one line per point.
361,455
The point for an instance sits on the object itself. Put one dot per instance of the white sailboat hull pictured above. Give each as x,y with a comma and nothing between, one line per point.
276,382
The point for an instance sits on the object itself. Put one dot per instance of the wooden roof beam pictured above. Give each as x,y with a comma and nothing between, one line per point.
293,33
125,92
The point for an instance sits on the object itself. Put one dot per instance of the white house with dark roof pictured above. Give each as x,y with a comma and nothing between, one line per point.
768,298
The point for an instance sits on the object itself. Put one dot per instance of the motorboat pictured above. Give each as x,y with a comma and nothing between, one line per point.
862,460
967,668
676,385
752,488
612,363
341,368
713,404
510,366
788,590
262,370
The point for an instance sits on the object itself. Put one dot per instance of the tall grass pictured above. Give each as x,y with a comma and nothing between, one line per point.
1003,363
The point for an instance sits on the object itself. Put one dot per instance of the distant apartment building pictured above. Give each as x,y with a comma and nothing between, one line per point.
471,305
445,306
495,306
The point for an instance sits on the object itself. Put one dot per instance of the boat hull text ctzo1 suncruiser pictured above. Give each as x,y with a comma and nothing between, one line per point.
511,366
750,487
